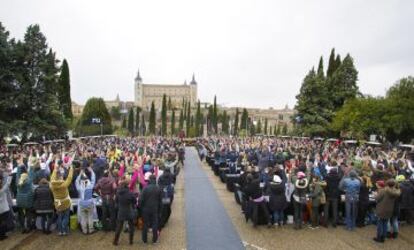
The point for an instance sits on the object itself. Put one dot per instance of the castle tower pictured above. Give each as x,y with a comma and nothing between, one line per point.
138,90
193,91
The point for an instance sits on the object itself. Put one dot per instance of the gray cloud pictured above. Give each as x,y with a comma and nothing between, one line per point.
250,53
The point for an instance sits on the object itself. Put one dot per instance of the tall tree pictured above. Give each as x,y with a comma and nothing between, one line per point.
124,122
198,120
215,118
331,64
271,130
244,120
173,122
225,123
343,84
164,116
65,100
278,131
181,121
259,127
285,129
313,105
94,115
152,120
320,68
188,121
131,120
236,123
137,116
337,62
37,78
265,127
9,117
143,126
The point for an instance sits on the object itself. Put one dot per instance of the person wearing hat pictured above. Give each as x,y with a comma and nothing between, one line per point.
277,199
385,199
300,198
393,224
150,202
351,186
407,198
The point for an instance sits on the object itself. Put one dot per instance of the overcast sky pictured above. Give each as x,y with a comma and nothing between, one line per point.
249,53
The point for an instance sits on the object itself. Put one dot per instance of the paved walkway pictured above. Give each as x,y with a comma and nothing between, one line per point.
208,225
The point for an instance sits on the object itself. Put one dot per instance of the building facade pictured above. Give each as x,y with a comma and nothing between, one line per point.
145,94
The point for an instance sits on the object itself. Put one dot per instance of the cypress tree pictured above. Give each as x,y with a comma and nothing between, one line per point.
173,122
169,103
225,123
164,116
331,64
198,119
285,129
188,121
337,62
244,120
143,125
278,130
181,121
265,127
214,120
270,130
152,119
137,115
65,100
124,122
236,122
259,127
131,120
320,68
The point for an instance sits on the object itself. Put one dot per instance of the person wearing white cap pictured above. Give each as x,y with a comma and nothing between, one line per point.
277,200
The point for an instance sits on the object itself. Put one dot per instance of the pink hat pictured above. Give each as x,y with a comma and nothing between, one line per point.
300,175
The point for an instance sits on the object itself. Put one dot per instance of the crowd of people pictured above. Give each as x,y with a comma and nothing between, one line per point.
98,183
318,182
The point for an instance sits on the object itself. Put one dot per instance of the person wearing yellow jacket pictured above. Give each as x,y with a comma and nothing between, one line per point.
62,201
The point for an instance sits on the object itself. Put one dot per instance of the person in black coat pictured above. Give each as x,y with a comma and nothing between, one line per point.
256,199
332,196
407,200
150,202
165,182
125,202
44,204
363,202
277,200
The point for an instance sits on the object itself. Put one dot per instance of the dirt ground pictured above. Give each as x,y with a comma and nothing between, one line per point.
172,237
288,238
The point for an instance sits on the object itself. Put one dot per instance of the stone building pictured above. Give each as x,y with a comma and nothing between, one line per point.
145,94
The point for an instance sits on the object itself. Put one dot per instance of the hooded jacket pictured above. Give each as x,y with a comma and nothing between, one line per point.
150,200
24,197
277,199
385,202
60,190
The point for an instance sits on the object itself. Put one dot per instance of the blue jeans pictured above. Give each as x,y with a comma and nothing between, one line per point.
382,228
63,221
393,224
351,212
278,216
